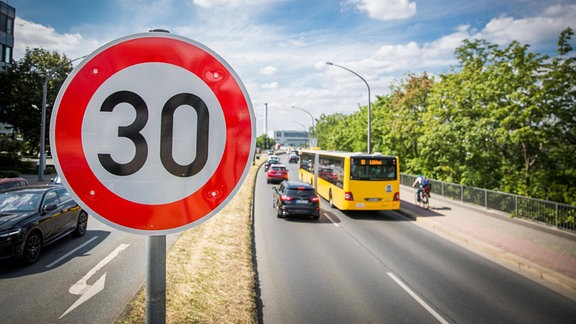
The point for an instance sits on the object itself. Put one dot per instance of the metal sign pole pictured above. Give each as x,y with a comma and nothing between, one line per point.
156,280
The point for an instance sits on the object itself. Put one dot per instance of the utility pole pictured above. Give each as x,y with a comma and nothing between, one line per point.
266,124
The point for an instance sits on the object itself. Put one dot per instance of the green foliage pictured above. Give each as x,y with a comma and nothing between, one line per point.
265,142
21,89
502,119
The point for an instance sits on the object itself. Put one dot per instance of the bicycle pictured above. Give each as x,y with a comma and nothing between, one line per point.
424,201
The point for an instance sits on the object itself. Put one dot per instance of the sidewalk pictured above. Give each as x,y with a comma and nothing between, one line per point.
33,178
535,250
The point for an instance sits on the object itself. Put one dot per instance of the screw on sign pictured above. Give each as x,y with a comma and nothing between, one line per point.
153,133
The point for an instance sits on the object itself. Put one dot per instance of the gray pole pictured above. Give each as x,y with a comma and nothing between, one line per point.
369,110
266,123
309,114
156,280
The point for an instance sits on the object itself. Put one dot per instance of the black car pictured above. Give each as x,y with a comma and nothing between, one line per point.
35,216
296,198
293,158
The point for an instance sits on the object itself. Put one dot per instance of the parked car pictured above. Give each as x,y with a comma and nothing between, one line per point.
9,183
35,216
296,198
276,173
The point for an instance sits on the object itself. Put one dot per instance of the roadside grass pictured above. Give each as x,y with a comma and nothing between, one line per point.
210,277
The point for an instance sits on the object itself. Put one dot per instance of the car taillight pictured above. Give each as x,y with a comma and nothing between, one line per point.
348,196
397,196
315,199
285,198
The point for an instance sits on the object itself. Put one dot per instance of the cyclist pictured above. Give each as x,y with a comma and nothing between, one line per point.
421,181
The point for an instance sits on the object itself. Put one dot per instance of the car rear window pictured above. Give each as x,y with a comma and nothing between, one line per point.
278,168
304,193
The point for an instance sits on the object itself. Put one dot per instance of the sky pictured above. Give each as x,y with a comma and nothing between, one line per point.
279,48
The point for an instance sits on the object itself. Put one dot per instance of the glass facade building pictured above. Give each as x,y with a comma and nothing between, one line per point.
291,138
7,15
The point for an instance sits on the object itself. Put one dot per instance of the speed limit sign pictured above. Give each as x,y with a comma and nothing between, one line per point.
153,133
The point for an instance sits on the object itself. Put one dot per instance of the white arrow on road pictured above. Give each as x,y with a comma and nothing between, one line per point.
81,287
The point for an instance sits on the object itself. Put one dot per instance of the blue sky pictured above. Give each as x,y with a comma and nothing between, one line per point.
279,47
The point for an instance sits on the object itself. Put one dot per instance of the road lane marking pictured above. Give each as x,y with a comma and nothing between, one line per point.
81,287
333,221
92,290
71,252
418,299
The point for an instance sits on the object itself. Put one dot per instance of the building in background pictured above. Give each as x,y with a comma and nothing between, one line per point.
7,15
291,138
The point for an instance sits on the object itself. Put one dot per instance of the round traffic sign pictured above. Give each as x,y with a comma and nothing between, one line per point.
153,133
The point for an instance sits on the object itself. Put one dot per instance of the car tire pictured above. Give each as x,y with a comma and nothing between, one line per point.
32,248
81,224
330,200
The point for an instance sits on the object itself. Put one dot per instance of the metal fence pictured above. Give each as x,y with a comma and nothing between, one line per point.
559,215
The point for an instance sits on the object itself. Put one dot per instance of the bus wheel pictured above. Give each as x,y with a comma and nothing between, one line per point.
330,199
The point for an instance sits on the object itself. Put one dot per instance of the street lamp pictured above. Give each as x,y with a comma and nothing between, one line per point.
42,162
309,114
369,112
305,132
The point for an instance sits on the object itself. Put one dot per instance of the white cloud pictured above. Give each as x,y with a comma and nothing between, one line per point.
269,70
386,9
531,30
31,35
272,85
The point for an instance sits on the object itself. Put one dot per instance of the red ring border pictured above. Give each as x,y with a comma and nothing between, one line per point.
73,101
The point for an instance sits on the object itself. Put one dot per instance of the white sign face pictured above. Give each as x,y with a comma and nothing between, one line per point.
153,133
152,183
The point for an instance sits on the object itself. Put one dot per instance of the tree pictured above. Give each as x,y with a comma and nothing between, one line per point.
557,174
398,120
265,142
21,93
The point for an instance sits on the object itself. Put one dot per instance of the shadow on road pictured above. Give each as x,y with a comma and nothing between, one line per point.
52,255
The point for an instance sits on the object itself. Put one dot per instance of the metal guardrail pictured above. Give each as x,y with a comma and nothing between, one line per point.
561,216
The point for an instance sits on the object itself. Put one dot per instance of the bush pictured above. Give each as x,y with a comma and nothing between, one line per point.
9,174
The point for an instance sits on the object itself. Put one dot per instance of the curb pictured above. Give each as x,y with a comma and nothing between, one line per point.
520,265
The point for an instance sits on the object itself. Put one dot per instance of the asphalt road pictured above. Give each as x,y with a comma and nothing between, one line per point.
77,280
379,267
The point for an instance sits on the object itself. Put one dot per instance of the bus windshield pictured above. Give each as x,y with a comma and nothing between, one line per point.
364,168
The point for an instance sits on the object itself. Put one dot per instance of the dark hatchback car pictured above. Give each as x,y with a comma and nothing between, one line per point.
296,198
36,216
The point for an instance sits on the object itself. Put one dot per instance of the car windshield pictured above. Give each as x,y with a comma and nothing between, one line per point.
302,193
19,201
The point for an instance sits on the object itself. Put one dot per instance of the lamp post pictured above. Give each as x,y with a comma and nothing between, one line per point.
305,132
309,114
369,112
42,162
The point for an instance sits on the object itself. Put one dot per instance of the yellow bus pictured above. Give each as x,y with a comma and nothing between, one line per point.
353,181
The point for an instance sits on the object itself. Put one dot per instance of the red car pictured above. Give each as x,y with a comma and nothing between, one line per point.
276,173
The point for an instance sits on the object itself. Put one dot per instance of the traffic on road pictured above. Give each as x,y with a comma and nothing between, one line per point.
379,266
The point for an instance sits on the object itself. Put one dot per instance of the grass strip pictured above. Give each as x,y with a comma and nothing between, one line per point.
210,277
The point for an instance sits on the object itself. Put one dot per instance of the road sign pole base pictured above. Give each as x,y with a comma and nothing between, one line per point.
156,280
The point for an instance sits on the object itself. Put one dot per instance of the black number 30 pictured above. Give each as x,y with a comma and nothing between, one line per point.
132,132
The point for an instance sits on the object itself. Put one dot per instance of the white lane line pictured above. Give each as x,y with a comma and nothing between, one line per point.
418,299
333,222
86,291
81,285
71,252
